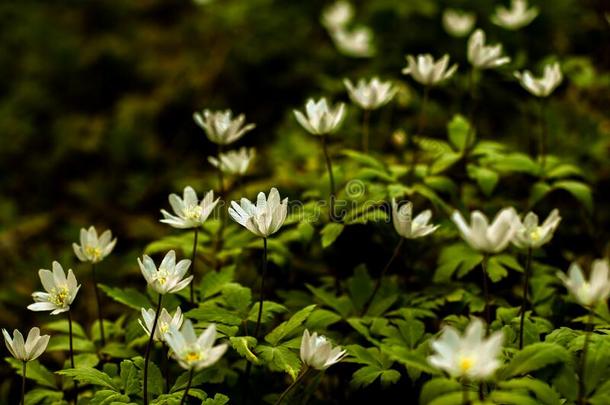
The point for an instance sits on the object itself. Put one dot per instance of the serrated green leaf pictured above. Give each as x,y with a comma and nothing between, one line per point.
128,296
285,329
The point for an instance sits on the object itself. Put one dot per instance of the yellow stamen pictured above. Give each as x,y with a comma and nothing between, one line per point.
466,364
93,252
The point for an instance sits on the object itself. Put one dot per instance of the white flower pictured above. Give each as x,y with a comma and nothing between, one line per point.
318,352
482,236
190,213
264,218
194,352
169,277
164,323
337,15
357,42
60,290
234,161
220,127
531,235
427,71
516,17
471,355
483,56
588,293
29,350
319,118
542,86
457,22
371,95
406,226
93,249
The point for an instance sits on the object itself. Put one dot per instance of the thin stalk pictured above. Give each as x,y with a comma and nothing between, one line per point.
23,383
99,305
329,167
221,182
262,291
368,303
465,399
421,124
291,386
486,291
193,257
188,386
148,349
542,148
72,355
583,359
366,117
165,367
526,282
221,217
474,99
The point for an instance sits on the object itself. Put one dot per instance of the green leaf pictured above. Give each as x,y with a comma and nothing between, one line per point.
237,296
457,257
219,399
368,374
128,296
342,305
408,358
280,358
130,378
37,395
436,388
289,327
580,191
214,281
34,371
360,287
543,392
155,380
270,308
486,179
330,233
109,397
64,327
242,345
210,312
534,357
458,131
89,375
363,158
321,319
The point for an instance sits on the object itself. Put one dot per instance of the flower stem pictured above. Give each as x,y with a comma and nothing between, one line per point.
165,367
148,349
188,386
291,386
193,258
221,217
366,117
99,305
329,167
528,265
421,124
72,354
262,292
486,291
474,99
583,359
368,303
23,383
465,399
543,135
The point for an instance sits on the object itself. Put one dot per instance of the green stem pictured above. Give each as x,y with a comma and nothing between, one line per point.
329,167
366,117
368,303
99,305
165,362
486,291
421,124
188,386
218,242
291,386
583,359
526,281
148,349
193,258
262,291
543,135
473,110
465,399
23,383
72,355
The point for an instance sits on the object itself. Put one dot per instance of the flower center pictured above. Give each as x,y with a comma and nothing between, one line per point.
536,234
163,327
60,296
466,364
193,212
193,356
162,276
93,252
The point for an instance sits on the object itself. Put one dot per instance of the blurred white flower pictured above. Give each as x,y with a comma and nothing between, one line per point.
194,352
483,56
588,293
164,323
318,352
263,219
409,227
60,290
457,22
29,349
337,15
93,249
372,94
169,277
319,118
470,355
515,17
482,236
530,234
425,70
234,161
541,86
220,126
190,212
356,42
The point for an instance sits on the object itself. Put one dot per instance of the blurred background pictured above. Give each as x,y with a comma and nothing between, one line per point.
97,97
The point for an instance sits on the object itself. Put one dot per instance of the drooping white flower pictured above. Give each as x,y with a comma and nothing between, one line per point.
471,355
189,211
458,23
263,219
164,323
530,234
356,42
409,227
320,118
169,278
234,162
337,15
370,95
425,70
318,352
194,352
29,349
541,86
515,17
482,236
220,126
93,249
483,56
588,292
60,290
